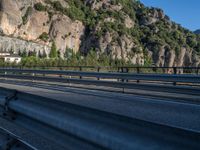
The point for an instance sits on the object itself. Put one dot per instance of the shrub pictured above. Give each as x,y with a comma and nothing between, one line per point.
57,6
40,7
44,37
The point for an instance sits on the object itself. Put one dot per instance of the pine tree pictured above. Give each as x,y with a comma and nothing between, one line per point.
59,54
24,53
40,55
32,53
53,52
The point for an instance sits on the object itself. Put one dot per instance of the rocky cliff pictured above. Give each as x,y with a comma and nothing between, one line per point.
122,29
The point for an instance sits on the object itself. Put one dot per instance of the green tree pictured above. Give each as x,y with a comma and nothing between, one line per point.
44,37
32,53
40,55
23,53
40,7
53,52
68,53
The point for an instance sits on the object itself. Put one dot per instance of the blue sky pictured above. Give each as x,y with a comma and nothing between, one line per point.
184,12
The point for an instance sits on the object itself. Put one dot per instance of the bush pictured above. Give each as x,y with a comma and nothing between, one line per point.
40,7
57,6
44,37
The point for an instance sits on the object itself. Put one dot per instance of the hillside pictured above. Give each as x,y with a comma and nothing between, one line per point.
197,31
121,30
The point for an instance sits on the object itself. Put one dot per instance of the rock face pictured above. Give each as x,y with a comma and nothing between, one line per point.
35,26
66,33
152,17
16,45
19,19
129,23
125,30
96,5
10,16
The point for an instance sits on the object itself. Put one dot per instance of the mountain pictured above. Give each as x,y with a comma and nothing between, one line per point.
119,29
197,31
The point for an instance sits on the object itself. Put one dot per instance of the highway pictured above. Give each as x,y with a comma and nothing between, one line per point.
69,117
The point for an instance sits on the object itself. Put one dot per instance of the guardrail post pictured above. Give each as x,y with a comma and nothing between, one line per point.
80,69
175,72
118,70
138,71
7,112
60,74
124,70
98,70
122,80
127,71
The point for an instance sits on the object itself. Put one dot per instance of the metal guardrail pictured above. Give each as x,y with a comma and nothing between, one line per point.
124,69
76,126
124,85
94,128
151,82
123,76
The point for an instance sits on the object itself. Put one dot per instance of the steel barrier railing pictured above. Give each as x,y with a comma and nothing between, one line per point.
123,85
152,82
125,69
124,76
132,125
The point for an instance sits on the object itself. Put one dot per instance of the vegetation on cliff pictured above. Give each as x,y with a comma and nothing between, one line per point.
152,29
109,32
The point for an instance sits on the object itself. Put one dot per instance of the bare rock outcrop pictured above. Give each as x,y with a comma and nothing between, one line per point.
106,4
123,49
166,57
10,17
66,33
129,23
19,19
35,26
13,44
152,17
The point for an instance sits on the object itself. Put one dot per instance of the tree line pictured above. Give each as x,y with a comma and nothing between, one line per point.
69,58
